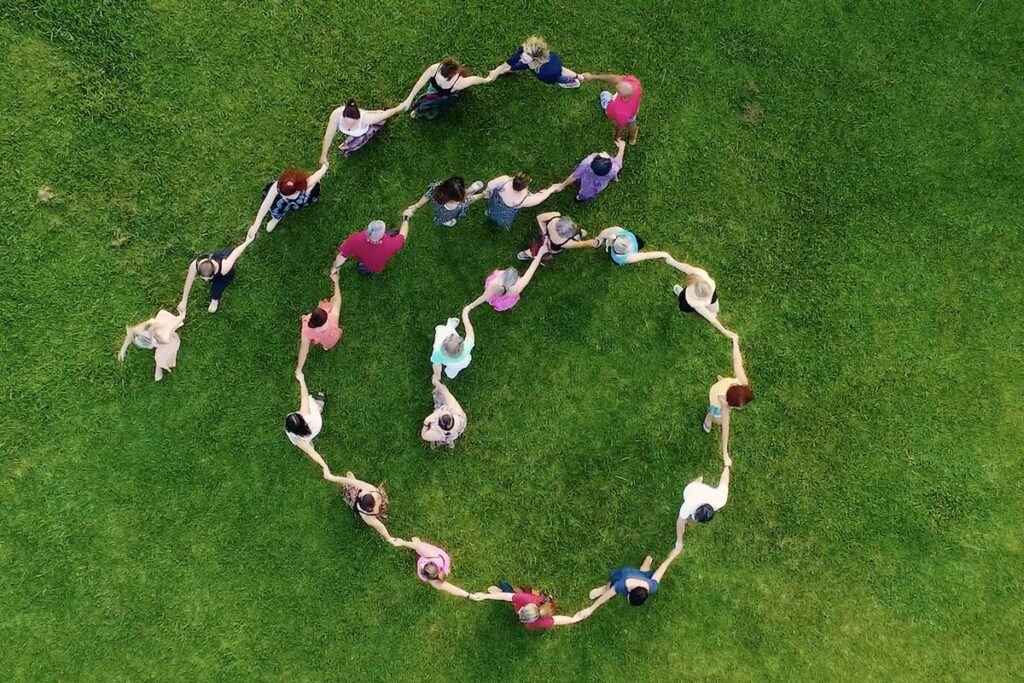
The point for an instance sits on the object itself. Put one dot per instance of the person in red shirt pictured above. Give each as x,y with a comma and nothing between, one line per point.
535,609
371,248
623,106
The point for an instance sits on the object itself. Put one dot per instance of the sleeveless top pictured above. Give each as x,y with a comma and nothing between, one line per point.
442,214
718,389
283,205
500,212
354,132
432,83
500,302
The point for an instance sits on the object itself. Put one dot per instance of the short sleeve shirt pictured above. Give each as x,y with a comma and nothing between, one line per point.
591,183
623,111
373,256
520,600
698,493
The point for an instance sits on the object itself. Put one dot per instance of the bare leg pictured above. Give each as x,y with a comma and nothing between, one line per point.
599,591
648,561
634,133
680,530
271,224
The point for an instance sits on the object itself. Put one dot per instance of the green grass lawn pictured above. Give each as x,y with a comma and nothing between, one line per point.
851,173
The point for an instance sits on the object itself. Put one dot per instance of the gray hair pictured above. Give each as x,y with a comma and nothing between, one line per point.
565,227
622,245
375,230
453,345
509,278
143,340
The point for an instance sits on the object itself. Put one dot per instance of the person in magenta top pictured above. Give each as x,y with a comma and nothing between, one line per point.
535,609
432,566
321,326
502,288
595,173
622,106
371,248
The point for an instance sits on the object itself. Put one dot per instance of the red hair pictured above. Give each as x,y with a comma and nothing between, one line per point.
292,180
738,395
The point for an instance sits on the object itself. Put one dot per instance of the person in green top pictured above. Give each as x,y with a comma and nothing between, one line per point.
452,351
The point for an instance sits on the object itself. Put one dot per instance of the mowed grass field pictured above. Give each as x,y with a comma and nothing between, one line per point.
849,172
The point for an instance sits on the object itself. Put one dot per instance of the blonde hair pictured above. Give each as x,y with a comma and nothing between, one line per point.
536,49
701,288
531,613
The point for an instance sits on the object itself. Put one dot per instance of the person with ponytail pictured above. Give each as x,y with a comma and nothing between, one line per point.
444,82
700,295
302,426
508,195
320,326
217,268
359,126
368,502
159,334
450,198
536,609
728,393
433,565
502,288
293,190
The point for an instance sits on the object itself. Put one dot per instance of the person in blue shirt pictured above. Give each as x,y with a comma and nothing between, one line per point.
634,584
624,246
546,65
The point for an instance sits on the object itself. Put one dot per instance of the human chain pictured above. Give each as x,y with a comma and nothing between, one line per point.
437,89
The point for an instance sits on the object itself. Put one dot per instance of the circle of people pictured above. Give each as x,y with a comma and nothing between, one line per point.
436,90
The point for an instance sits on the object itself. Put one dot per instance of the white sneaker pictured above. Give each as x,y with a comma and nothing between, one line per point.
524,255
475,187
213,305
677,290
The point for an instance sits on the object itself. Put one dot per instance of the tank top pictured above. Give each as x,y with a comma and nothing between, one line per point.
718,389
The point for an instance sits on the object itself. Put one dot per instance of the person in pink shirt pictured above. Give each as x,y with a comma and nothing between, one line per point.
432,566
535,609
321,325
371,248
623,106
502,288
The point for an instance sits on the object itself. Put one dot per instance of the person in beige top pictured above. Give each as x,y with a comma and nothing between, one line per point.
728,393
159,334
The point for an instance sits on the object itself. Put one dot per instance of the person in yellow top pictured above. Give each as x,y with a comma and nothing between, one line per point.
728,393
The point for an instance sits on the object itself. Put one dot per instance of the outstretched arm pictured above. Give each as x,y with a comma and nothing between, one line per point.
480,299
470,332
663,567
587,611
712,318
372,118
544,218
404,231
332,128
379,527
450,588
129,337
470,81
264,209
336,298
190,278
498,595
649,256
525,279
409,212
303,354
420,83
229,262
610,78
313,455
725,428
317,175
621,144
737,361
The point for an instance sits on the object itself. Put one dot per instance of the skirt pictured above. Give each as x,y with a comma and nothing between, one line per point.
352,144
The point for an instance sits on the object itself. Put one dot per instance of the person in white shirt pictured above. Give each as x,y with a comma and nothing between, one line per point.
303,426
450,350
701,501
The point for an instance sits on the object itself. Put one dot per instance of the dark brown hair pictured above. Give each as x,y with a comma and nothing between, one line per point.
521,181
738,395
318,317
450,66
351,110
451,190
292,180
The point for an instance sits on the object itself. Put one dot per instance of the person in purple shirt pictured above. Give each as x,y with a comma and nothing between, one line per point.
595,173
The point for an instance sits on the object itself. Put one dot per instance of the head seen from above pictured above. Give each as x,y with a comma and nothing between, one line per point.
317,318
531,613
366,503
446,422
351,110
566,228
621,245
738,395
296,424
624,88
453,345
536,50
206,267
520,181
638,595
451,190
701,288
292,182
432,571
601,165
375,230
450,68
704,513
509,278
